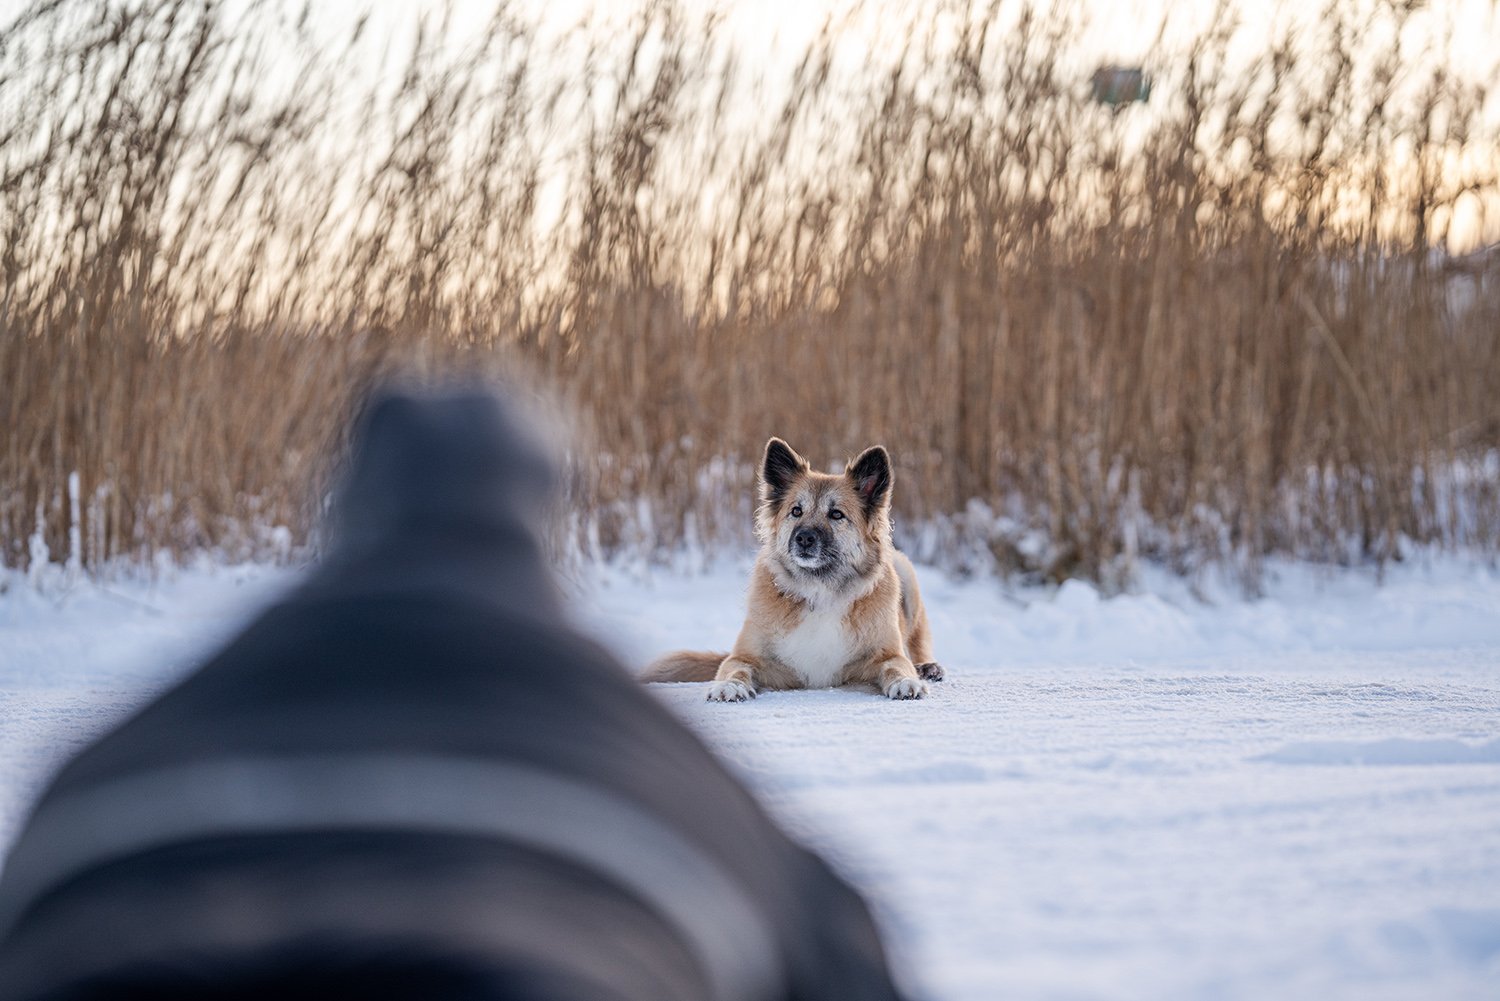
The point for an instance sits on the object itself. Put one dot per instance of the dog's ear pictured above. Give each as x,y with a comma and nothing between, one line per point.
779,468
871,475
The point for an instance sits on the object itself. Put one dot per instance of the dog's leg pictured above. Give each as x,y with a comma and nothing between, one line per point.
899,680
892,673
735,680
919,644
918,634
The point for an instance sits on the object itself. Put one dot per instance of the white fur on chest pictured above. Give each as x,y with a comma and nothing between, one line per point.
818,648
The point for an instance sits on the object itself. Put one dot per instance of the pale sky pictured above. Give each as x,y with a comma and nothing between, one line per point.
1122,30
772,34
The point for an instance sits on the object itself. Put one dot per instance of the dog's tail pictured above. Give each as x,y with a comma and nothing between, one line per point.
684,665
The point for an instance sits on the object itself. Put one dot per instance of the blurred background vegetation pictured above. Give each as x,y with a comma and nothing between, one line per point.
1257,313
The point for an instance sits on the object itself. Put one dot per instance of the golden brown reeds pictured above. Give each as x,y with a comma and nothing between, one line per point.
1204,330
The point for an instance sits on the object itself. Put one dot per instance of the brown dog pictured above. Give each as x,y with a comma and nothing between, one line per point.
831,600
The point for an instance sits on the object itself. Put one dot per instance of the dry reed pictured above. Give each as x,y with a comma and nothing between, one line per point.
1205,330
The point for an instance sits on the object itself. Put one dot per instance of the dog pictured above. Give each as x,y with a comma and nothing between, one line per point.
832,601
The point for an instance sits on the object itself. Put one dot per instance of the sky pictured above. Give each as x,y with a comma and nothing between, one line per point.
772,34
1120,30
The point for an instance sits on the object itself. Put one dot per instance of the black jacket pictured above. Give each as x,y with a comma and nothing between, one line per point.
412,779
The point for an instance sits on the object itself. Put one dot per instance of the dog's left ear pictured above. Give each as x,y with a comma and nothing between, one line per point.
871,473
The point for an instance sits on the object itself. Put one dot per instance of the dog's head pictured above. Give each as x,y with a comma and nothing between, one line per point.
821,526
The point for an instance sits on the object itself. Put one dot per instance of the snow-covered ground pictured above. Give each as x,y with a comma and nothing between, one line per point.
1143,796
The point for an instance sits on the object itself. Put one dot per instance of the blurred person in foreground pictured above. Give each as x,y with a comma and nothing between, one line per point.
411,779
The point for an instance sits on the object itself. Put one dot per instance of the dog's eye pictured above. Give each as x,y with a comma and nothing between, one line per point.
796,510
834,514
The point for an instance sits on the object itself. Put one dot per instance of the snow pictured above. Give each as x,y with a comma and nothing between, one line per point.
1139,796
1391,751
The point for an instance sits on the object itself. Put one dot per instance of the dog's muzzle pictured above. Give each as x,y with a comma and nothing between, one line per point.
810,550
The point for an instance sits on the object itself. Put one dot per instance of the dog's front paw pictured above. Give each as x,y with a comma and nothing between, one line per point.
906,688
931,670
730,691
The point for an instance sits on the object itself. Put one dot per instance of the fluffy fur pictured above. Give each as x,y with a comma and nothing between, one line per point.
831,600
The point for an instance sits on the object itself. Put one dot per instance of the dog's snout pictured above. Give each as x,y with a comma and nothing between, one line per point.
805,538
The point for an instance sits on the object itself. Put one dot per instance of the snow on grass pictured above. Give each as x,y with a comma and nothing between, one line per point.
1142,796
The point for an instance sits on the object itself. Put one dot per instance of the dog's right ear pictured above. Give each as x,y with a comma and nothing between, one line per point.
780,467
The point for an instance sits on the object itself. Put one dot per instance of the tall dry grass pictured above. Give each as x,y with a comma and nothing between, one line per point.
1204,330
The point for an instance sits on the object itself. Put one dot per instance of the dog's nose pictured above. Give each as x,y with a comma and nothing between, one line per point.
805,538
